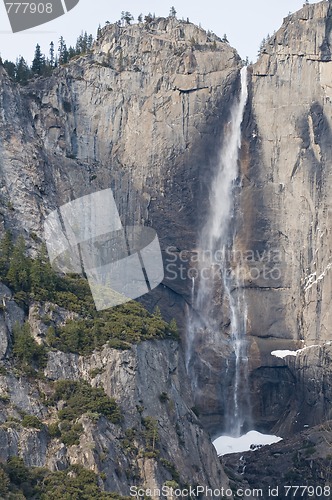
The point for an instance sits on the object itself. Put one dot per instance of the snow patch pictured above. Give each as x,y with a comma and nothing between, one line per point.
282,353
313,280
251,441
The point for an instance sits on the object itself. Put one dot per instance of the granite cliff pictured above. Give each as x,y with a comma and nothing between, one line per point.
146,113
287,171
128,115
283,238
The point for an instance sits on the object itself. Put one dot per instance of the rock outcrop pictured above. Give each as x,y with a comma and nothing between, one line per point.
148,381
299,467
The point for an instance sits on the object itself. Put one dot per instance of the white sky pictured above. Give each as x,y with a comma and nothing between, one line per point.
246,22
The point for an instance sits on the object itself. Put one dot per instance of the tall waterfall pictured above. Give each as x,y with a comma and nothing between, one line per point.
219,281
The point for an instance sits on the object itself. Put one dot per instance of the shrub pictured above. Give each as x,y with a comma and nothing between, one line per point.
72,436
26,350
164,397
3,370
17,471
17,481
76,482
151,454
4,398
53,430
96,371
31,421
121,345
171,469
150,433
4,483
171,484
195,411
80,398
121,327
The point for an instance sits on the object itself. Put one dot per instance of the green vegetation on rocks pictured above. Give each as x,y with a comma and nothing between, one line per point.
34,280
20,482
80,398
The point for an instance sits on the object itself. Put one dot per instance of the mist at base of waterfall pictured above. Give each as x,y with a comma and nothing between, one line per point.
251,441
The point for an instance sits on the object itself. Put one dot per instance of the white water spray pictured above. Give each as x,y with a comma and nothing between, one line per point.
215,239
221,197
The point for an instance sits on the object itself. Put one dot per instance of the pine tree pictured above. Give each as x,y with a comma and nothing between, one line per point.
52,56
25,349
10,68
4,484
79,44
42,276
126,17
85,43
262,47
23,73
148,18
99,32
71,52
173,327
38,63
90,42
18,275
62,51
6,250
172,12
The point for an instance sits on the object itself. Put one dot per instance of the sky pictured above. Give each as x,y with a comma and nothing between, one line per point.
244,22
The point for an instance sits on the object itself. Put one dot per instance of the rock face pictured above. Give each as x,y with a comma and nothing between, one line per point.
289,155
128,116
145,114
284,233
303,460
147,381
142,114
287,201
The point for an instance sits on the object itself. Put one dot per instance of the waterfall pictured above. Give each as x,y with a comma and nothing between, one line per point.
220,281
214,233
